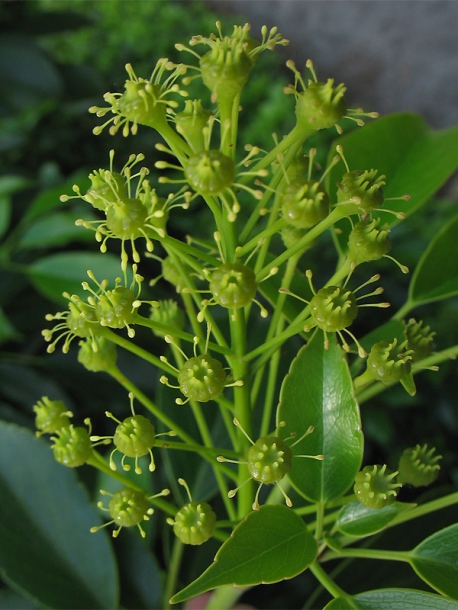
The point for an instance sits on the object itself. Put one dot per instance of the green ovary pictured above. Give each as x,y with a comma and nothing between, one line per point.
128,507
333,308
304,203
115,308
139,104
210,172
269,459
72,446
194,523
126,219
202,378
233,285
135,436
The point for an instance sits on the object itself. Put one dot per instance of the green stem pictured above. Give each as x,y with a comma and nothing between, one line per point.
320,506
242,404
402,313
295,137
328,583
425,509
362,553
275,329
310,236
175,142
173,571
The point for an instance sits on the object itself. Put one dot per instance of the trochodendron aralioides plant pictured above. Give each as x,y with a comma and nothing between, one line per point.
286,485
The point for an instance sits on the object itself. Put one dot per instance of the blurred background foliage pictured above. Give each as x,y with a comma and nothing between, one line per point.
57,58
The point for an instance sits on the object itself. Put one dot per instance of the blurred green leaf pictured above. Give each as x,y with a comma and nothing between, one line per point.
318,392
251,555
43,23
393,599
56,230
436,275
52,275
27,76
7,330
50,199
46,549
9,184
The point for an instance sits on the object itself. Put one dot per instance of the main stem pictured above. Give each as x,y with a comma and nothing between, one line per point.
242,404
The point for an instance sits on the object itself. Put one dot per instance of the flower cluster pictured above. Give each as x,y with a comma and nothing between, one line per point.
253,215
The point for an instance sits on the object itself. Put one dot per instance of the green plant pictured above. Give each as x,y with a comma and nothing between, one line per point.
273,453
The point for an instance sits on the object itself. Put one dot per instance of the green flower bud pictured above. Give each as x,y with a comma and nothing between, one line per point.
361,191
418,466
210,172
128,507
388,362
321,105
194,523
333,308
304,203
419,339
191,123
368,242
105,186
143,102
51,416
233,285
374,486
169,314
97,354
71,446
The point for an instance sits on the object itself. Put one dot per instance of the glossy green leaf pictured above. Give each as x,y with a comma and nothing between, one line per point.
393,599
415,160
54,274
355,519
435,560
251,555
436,275
46,550
318,392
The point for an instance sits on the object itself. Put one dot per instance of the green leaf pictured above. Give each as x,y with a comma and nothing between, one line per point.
46,550
7,330
9,184
415,159
355,519
393,599
56,230
436,275
54,274
251,555
49,200
318,392
435,560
